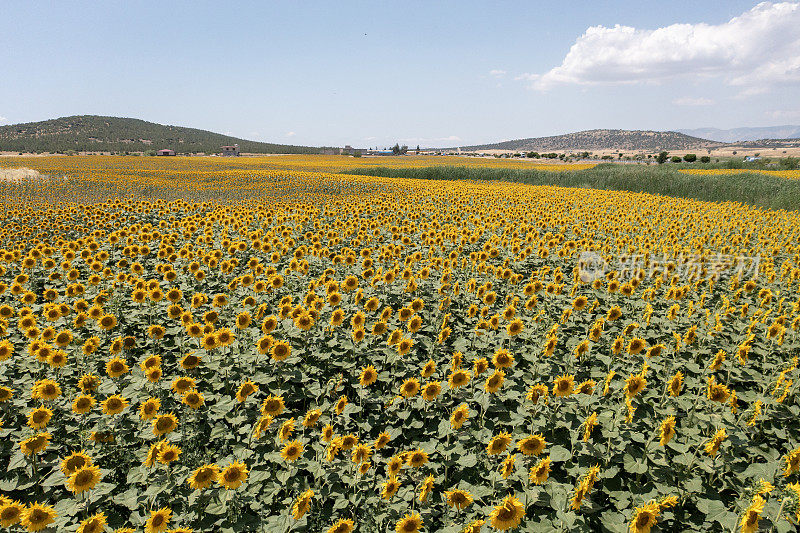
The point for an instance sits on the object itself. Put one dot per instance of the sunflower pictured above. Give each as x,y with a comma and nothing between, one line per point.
655,351
508,514
792,462
716,392
191,361
713,444
57,359
667,430
36,516
183,384
498,444
164,424
502,359
107,322
280,351
39,417
368,376
203,477
327,433
382,440
589,425
74,462
459,378
394,465
537,392
634,384
292,451
209,341
617,345
337,317
507,468
540,472
149,408
360,453
311,418
636,345
151,361
514,327
342,526
156,332
409,388
83,479
532,445
272,406
644,518
749,522
154,374
563,385
195,331
46,389
389,488
116,367
158,521
35,444
168,453
10,513
114,405
417,458
495,381
233,475
459,416
94,524
6,350
675,384
431,390
246,389
302,504
460,499
586,387
348,441
404,346
286,429
410,523
474,527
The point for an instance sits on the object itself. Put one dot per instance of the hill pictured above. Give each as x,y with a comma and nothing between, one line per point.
91,133
745,134
628,140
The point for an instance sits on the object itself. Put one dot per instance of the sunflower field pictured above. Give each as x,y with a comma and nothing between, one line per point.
188,346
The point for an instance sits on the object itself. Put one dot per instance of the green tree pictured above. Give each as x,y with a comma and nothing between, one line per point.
662,158
690,158
675,159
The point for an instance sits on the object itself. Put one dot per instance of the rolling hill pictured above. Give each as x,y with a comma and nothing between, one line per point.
91,133
746,134
628,140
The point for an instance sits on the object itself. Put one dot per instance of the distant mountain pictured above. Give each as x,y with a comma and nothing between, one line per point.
745,134
628,140
91,133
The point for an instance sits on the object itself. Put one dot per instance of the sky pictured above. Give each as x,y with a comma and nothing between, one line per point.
433,73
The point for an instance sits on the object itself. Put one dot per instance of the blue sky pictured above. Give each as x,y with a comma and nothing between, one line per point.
428,73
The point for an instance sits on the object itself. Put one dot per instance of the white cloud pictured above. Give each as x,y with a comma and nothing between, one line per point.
784,115
3,120
497,73
756,50
689,101
290,134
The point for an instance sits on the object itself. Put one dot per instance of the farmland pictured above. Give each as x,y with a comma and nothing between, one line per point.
291,344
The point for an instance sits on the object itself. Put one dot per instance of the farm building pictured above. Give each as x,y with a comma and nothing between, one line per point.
166,151
231,151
